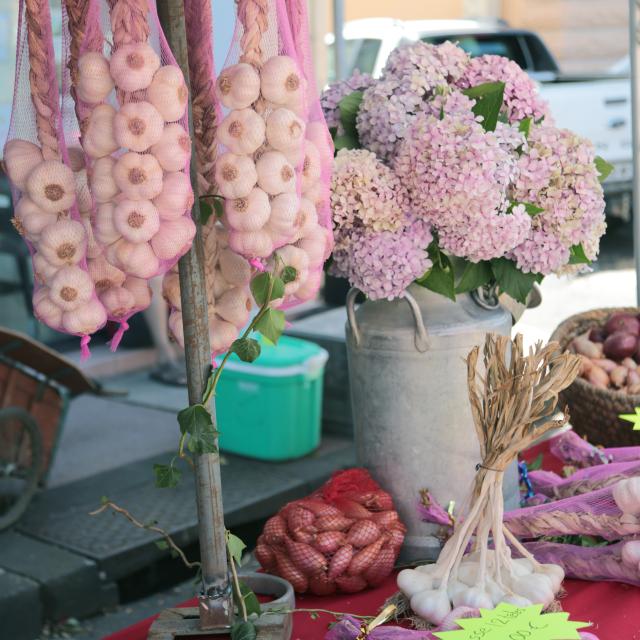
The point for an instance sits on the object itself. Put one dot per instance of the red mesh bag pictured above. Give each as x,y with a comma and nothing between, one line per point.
345,537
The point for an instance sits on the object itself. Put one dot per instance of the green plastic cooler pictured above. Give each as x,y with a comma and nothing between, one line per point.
271,409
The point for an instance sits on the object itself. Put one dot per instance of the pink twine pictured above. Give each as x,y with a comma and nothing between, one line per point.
117,336
257,264
85,354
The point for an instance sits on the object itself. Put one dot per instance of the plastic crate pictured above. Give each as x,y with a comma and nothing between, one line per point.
271,409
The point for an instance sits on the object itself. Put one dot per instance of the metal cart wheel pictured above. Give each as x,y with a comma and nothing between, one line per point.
20,463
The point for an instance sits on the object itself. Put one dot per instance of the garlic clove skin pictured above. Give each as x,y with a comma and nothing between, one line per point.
554,573
495,592
173,150
136,259
468,572
137,126
521,567
454,590
234,306
254,244
103,185
310,287
138,176
242,131
63,243
275,174
235,269
103,274
631,553
51,185
85,319
118,302
626,493
30,220
235,175
175,326
98,139
410,582
94,78
140,289
104,228
238,86
136,220
281,81
221,334
168,93
71,287
176,197
173,238
284,215
474,597
249,213
20,159
313,245
534,587
133,66
171,290
45,309
43,270
431,605
284,130
515,599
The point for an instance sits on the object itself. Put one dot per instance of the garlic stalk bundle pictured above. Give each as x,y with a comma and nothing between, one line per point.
514,409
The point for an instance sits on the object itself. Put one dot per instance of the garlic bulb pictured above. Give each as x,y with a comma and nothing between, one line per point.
235,269
71,287
234,306
284,217
45,309
281,81
238,86
411,582
104,227
168,93
171,290
254,244
20,158
176,197
136,220
292,256
138,176
85,319
43,270
30,220
310,287
133,66
235,175
432,605
554,572
284,130
318,134
94,248
311,166
475,597
136,259
275,173
83,193
137,126
221,334
175,326
626,493
140,290
515,599
173,150
103,274
173,238
454,590
468,572
98,139
316,193
534,587
118,302
51,186
521,567
94,78
631,553
220,285
242,131
103,185
249,213
63,242
314,244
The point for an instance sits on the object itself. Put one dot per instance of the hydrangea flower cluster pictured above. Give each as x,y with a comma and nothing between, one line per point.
557,173
331,97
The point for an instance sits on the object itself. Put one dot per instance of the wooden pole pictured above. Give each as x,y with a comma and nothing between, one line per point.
215,602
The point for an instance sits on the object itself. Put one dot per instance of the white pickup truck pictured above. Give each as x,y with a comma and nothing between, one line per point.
597,107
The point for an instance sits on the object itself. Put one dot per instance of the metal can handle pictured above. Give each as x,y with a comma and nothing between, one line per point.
421,338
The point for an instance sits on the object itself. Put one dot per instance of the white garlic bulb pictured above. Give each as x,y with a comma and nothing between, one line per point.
234,306
98,139
135,259
71,287
30,220
221,334
311,166
317,193
83,193
534,587
176,197
476,598
235,269
173,238
314,245
318,134
140,289
249,213
171,290
310,287
432,605
281,81
168,93
51,186
175,326
104,227
173,150
284,130
411,582
138,176
43,270
284,218
554,572
85,319
103,274
137,125
94,78
63,242
220,285
291,256
254,244
133,66
275,173
20,158
242,131
238,86
235,175
118,302
94,248
45,309
136,220
103,184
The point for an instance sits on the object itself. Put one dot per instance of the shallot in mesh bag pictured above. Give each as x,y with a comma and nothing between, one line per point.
47,195
572,449
131,114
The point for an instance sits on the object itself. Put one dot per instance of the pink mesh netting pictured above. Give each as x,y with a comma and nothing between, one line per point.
572,449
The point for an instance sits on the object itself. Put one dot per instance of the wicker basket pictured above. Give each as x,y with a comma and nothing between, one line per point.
594,412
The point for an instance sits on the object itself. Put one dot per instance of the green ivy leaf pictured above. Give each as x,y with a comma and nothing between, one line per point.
260,287
441,277
532,209
525,126
167,476
251,601
206,211
202,434
271,324
603,167
162,545
190,416
349,107
511,280
536,464
577,255
288,274
235,546
489,97
475,275
247,349
243,631
345,141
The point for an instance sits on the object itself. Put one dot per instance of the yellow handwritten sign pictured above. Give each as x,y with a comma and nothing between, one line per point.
508,622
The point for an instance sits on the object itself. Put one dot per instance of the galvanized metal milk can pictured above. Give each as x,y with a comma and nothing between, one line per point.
412,418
